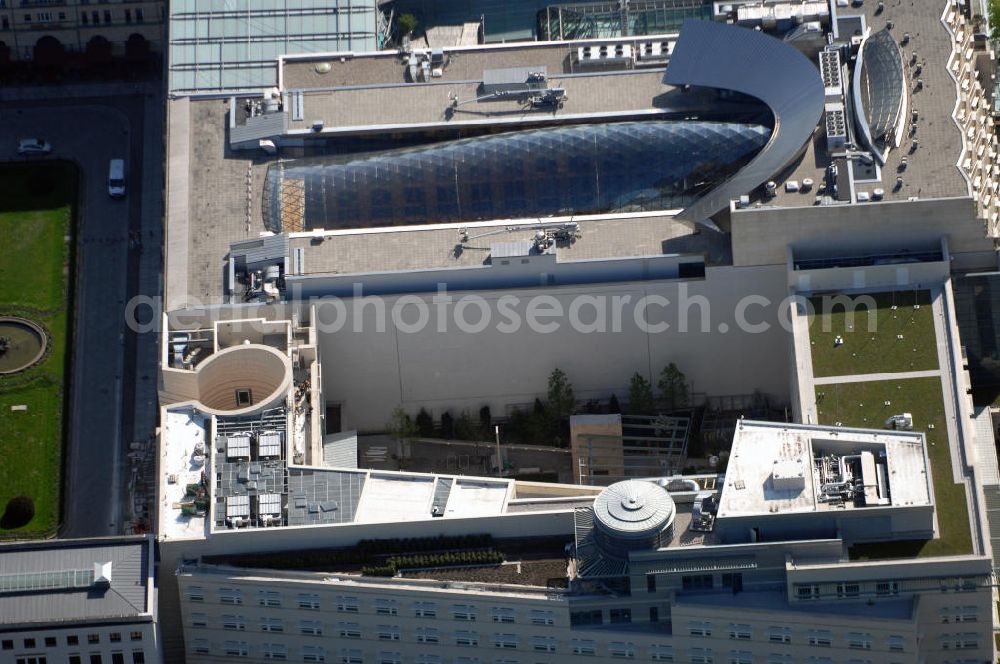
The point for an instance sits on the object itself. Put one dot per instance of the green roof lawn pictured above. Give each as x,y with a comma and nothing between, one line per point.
871,343
36,208
863,405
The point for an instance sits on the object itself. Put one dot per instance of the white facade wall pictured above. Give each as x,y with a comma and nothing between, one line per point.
893,615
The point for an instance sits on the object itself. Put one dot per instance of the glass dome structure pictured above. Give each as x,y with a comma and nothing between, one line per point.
579,169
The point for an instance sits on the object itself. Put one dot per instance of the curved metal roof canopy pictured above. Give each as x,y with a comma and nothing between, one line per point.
880,93
715,55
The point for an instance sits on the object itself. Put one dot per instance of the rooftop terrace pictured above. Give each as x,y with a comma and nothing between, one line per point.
931,170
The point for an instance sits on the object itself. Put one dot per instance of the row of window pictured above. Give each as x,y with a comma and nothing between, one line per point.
779,634
30,643
138,657
851,590
280,652
86,18
380,606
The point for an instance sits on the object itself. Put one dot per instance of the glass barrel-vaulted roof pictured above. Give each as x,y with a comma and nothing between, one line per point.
581,169
880,92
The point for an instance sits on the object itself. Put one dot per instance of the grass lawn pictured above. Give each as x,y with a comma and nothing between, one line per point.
862,405
880,350
36,207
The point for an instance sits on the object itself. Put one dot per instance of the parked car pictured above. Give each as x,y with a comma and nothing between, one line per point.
33,146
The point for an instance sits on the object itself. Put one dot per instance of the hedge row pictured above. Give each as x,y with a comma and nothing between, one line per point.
367,552
457,558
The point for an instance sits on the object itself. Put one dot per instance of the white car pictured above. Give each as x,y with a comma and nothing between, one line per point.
33,146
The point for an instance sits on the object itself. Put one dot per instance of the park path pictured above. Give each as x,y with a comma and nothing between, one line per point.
885,375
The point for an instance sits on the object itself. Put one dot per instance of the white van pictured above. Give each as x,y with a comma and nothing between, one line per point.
116,178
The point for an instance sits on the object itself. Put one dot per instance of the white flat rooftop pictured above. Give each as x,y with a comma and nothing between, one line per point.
182,431
395,498
773,469
476,498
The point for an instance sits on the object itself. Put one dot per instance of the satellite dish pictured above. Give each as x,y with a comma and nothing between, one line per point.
713,461
323,68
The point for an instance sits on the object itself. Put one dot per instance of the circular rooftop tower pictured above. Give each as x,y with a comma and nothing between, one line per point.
633,516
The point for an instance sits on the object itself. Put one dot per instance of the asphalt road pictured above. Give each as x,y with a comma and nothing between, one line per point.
103,394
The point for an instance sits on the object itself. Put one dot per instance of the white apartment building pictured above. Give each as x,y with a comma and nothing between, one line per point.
89,601
650,576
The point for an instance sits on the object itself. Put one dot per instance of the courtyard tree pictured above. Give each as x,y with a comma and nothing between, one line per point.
673,387
640,396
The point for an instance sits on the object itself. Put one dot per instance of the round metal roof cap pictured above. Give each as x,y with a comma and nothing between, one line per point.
632,508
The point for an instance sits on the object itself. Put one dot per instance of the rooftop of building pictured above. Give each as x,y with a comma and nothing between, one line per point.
348,93
63,581
930,170
786,469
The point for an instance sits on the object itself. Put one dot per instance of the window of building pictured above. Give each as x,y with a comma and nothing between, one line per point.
543,643
583,647
347,604
7,644
740,632
428,635
274,651
236,648
94,659
313,654
44,17
346,630
128,15
95,18
779,658
621,649
697,582
138,657
734,580
508,641
542,618
310,602
740,657
75,659
107,16
117,658
271,625
884,588
502,615
701,656
820,637
463,612
268,598
351,656
466,660
617,616
135,636
385,657
386,607
654,614
27,18
50,641
387,633
62,16
428,659
196,594
779,635
848,590
138,15
650,583
4,23
199,620
230,596
699,628
859,640
92,639
807,592
72,640
896,643
593,617
201,646
238,623
465,638
315,628
425,609
661,653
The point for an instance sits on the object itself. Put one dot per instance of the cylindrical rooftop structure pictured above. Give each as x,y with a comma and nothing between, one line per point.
633,516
